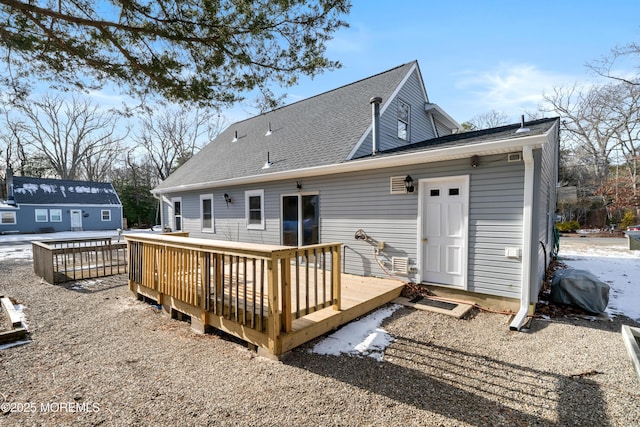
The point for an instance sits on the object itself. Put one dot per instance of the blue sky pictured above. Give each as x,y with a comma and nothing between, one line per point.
475,56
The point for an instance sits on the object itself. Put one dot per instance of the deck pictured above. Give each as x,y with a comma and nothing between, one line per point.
273,297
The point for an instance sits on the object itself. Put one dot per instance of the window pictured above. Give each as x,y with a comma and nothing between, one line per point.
106,215
42,215
254,209
404,116
177,214
300,220
55,215
8,218
206,213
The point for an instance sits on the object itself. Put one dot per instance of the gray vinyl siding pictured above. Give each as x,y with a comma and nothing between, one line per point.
420,124
362,200
442,129
545,195
495,222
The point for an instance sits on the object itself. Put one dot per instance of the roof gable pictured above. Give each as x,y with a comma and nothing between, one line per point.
321,130
45,191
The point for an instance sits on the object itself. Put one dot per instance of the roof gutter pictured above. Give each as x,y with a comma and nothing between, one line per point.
527,234
377,162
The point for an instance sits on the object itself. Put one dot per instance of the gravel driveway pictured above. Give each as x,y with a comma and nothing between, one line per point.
100,357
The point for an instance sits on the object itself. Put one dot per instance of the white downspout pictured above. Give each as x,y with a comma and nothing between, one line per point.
527,232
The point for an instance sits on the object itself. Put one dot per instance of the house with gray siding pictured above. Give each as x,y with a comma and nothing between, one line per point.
37,205
379,167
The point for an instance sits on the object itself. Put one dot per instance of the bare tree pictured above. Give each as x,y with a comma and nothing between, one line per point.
170,138
588,123
69,133
624,101
490,119
605,66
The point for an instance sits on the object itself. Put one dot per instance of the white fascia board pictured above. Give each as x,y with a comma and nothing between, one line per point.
405,159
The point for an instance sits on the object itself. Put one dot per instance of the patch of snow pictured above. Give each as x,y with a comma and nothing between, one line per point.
616,266
31,188
362,338
48,188
19,308
63,191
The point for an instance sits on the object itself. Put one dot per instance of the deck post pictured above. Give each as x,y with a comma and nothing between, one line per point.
336,273
273,321
285,268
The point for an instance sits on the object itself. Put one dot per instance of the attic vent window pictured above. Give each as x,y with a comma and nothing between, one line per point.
514,157
398,185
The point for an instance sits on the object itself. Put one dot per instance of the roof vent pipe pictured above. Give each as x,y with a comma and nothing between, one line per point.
375,111
522,128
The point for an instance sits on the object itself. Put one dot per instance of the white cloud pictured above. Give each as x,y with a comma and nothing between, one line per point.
512,88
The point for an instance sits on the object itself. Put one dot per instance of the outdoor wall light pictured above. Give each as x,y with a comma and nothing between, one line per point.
227,198
408,184
475,161
298,185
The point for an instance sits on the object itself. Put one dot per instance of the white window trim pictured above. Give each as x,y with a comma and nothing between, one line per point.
204,229
46,214
51,215
173,213
102,211
253,193
9,213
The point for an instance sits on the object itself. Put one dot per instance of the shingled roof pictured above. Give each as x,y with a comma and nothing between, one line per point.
535,127
46,191
321,130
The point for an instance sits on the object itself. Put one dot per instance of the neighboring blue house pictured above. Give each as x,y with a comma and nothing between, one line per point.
38,205
378,166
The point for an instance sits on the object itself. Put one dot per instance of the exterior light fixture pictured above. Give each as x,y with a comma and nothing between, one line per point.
227,198
475,161
298,185
408,184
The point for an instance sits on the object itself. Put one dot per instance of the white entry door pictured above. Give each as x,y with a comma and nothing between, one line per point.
443,230
76,219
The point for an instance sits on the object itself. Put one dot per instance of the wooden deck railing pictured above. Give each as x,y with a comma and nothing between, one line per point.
250,290
65,260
